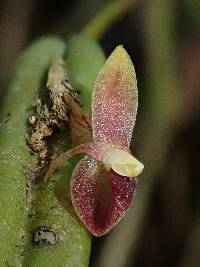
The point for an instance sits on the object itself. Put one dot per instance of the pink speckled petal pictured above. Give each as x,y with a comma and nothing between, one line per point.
115,100
100,198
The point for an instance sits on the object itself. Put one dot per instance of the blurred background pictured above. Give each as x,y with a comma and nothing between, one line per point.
162,227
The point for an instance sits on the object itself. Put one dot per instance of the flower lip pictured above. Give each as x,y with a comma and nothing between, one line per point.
122,162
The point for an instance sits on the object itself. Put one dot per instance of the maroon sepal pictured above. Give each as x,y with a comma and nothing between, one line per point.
100,198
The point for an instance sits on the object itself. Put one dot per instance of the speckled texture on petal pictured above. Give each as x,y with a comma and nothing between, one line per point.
115,100
100,198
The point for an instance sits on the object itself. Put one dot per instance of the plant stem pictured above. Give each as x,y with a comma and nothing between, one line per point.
97,27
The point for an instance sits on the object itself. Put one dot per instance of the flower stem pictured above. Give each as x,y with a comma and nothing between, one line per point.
97,26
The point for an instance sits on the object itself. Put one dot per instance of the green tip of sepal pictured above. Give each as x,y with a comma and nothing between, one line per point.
119,60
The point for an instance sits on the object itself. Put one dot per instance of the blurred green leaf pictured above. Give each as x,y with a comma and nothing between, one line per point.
84,60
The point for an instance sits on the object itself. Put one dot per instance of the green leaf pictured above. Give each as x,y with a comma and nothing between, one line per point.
14,153
38,225
84,59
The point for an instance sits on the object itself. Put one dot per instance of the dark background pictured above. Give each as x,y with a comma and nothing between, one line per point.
162,227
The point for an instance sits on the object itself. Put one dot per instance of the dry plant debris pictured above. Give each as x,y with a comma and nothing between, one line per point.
63,109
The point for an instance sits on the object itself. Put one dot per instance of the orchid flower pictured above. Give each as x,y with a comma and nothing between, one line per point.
103,182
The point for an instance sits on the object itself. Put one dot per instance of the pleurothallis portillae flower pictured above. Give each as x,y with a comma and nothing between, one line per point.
104,180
